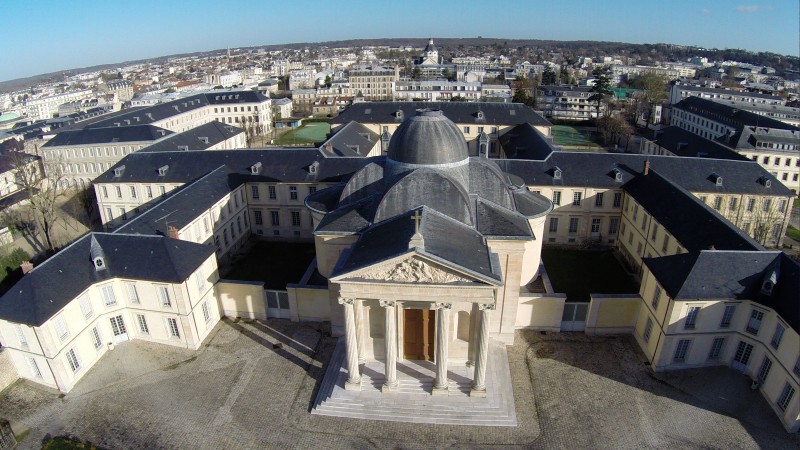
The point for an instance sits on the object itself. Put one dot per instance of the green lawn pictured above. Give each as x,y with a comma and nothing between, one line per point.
793,233
308,133
567,135
581,272
275,263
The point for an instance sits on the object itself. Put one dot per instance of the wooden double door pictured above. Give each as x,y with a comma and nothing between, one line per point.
418,334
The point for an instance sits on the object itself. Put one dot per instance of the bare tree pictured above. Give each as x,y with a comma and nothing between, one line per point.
767,218
44,185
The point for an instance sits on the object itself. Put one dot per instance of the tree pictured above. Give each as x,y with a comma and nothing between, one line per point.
328,81
612,128
521,94
548,76
416,74
767,216
602,87
653,91
458,98
44,185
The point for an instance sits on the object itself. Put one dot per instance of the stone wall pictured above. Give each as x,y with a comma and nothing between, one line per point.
8,373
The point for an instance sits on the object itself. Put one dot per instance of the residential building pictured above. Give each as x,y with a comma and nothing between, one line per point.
373,82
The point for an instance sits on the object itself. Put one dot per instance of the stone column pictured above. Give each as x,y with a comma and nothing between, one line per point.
481,352
390,383
354,375
359,307
440,385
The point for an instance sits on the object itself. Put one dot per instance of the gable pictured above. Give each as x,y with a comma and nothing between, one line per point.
413,269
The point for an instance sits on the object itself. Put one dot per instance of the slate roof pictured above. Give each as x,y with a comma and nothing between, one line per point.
695,225
728,115
495,221
686,87
444,238
198,138
735,275
353,139
49,287
685,143
693,174
276,165
107,135
526,142
458,112
182,207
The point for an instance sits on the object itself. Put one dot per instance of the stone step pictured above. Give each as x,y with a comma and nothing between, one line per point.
484,418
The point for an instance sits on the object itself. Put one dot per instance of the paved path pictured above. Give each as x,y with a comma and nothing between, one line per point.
238,391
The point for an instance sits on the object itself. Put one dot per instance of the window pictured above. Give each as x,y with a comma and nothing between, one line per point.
785,397
595,225
272,193
648,329
466,130
292,192
133,191
254,192
225,236
691,318
573,224
777,336
716,348
142,324
553,225
755,322
108,295
133,296
199,281
233,232
703,198
295,218
727,316
751,204
258,217
206,312
556,198
61,328
105,194
766,204
86,307
172,324
656,297
162,191
163,296
635,212
613,225
598,199
123,214
23,343
205,224
717,203
94,335
782,205
35,372
119,191
576,199
732,204
763,371
654,233
797,366
617,199
681,350
72,360
109,215
312,189
148,191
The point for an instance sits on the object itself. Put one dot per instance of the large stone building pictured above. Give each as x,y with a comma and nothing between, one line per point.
425,253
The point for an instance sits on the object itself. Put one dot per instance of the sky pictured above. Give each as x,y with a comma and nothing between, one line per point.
41,36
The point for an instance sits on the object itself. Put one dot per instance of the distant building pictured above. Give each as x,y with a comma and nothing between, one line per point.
373,82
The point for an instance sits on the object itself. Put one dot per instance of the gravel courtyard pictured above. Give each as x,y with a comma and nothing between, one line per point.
237,391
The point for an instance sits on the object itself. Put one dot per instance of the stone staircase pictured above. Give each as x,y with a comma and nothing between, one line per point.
413,401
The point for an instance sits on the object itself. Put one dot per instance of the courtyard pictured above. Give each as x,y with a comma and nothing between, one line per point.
239,391
308,133
579,273
274,263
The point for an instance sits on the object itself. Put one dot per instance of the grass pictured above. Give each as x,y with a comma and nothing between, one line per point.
308,133
793,233
65,443
275,263
569,136
797,203
581,272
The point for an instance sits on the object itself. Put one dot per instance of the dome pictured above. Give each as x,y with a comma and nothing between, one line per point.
429,138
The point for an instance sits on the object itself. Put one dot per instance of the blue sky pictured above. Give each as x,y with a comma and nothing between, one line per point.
46,35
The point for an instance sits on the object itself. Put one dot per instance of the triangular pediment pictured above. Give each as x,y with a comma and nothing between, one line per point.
412,269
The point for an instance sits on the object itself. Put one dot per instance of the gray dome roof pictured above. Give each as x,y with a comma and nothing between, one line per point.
428,138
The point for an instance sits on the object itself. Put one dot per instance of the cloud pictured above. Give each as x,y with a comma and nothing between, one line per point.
705,11
747,9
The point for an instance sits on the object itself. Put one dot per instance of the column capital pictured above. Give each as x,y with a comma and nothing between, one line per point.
442,306
387,303
346,301
486,307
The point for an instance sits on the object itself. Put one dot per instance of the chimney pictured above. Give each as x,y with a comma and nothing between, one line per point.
329,147
26,267
172,232
646,167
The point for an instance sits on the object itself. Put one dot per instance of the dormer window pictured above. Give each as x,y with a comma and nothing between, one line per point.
183,148
556,173
314,167
118,171
768,284
766,182
255,169
204,140
99,263
481,116
399,115
162,170
717,179
617,175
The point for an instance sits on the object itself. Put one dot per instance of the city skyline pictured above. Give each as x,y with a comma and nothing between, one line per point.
95,33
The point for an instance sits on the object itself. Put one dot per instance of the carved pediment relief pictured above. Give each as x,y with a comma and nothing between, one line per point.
414,270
